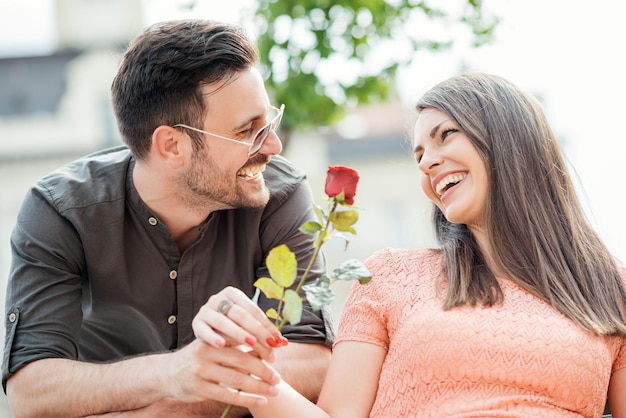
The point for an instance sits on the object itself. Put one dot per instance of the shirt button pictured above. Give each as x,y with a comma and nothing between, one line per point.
173,274
171,319
152,220
12,317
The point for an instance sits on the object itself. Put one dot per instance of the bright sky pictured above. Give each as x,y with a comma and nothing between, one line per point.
568,52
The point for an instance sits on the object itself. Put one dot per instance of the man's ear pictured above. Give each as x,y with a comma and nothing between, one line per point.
168,145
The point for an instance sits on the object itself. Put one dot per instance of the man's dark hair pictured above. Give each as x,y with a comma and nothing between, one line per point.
161,74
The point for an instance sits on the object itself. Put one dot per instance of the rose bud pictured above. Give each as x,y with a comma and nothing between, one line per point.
341,179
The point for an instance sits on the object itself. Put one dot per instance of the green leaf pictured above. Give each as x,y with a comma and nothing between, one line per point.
344,237
343,220
272,314
318,294
322,238
282,265
269,288
310,227
323,281
352,270
292,311
340,198
321,215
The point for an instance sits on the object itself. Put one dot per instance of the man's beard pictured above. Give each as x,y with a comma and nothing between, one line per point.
203,189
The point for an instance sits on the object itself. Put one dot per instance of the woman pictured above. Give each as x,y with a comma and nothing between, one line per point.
520,312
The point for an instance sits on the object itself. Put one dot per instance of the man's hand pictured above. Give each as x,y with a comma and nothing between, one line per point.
199,372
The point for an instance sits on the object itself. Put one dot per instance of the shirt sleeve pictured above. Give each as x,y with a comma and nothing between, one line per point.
365,316
43,301
281,225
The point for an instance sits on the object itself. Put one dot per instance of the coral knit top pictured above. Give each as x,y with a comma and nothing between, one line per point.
519,359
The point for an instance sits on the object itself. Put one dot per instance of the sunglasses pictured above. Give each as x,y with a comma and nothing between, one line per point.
256,142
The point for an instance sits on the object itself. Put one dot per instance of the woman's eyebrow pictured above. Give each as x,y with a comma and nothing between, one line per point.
432,134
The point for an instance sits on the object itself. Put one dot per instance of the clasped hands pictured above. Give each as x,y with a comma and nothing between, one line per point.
229,361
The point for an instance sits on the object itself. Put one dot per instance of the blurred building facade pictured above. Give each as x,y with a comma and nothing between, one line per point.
59,103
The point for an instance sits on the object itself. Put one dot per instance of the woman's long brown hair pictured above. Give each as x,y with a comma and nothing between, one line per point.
537,229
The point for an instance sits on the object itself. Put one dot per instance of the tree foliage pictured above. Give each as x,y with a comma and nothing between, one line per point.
320,57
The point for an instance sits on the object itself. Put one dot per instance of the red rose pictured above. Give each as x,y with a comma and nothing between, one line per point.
341,179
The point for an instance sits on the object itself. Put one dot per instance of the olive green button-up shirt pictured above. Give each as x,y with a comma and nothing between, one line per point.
96,276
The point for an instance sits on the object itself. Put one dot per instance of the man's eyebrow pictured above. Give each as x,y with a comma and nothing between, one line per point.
239,127
248,122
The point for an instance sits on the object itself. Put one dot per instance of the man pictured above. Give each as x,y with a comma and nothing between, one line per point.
115,254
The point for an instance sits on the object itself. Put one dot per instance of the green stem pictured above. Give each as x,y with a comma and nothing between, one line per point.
226,411
319,241
278,309
318,247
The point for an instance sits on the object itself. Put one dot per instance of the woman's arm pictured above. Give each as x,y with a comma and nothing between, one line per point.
303,366
617,393
349,389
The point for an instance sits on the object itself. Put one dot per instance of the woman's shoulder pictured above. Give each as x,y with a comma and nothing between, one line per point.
406,255
400,276
406,261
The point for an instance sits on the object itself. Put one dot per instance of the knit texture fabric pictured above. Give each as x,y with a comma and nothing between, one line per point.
519,359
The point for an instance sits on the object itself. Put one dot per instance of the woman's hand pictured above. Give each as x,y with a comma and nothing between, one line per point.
230,318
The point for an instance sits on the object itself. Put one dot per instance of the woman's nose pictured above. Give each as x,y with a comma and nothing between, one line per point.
429,160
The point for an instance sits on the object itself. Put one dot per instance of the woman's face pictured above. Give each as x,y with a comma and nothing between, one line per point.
454,175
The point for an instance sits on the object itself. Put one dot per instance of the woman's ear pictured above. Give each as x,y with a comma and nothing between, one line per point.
168,145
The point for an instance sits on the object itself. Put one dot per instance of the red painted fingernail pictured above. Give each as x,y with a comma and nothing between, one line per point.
279,341
272,342
250,341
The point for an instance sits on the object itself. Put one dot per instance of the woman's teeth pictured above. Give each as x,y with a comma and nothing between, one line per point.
450,180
